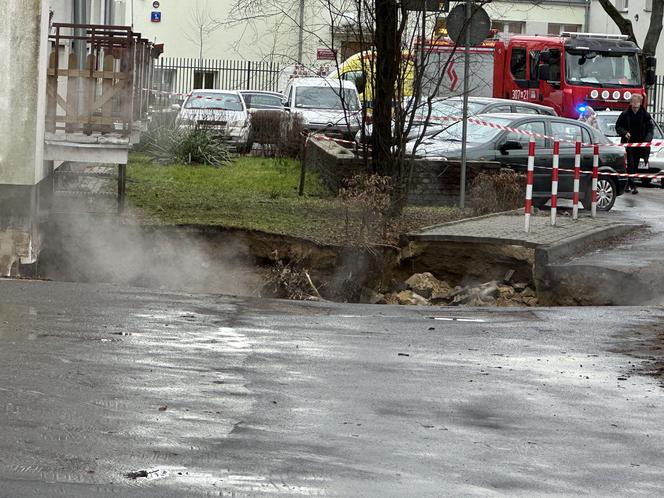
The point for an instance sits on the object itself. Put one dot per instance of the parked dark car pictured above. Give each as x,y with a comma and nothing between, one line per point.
511,150
258,100
453,106
442,108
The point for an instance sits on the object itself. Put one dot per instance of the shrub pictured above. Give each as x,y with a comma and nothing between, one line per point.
172,143
504,190
266,129
156,122
371,196
278,133
292,137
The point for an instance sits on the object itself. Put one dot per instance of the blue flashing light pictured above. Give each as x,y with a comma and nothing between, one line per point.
581,108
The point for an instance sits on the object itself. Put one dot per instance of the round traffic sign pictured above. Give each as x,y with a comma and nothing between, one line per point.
480,24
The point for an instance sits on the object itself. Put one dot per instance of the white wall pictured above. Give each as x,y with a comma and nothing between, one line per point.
23,29
537,16
602,23
261,39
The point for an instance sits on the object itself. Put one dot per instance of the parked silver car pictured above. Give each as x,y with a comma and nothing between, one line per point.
607,125
223,111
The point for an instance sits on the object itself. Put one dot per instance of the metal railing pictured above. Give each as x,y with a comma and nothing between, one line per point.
656,100
174,77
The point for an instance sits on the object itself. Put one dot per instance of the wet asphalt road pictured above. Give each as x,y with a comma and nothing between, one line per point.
628,271
271,397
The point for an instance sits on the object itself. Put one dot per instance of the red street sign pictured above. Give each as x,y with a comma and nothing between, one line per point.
326,54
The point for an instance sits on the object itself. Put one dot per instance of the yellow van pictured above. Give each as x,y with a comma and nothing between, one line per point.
359,69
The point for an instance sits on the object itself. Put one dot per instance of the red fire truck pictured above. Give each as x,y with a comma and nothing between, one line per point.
564,72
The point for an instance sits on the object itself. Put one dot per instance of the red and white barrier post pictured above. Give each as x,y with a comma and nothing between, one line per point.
529,181
593,198
554,182
577,181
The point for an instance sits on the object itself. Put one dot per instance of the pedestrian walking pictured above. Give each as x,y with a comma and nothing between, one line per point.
635,125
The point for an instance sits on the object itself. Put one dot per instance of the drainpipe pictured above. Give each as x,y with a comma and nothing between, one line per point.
80,17
108,12
586,19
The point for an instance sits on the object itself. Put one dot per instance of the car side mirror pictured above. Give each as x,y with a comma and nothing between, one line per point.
544,72
510,145
651,77
651,62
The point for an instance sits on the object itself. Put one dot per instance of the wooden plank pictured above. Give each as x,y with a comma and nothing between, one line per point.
52,94
107,86
85,73
71,110
90,90
81,120
57,98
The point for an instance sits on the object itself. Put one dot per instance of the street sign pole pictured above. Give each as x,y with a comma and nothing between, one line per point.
464,132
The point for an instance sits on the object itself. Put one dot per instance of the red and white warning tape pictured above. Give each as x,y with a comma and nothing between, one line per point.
527,133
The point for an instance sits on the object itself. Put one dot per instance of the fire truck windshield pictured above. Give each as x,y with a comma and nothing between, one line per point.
602,69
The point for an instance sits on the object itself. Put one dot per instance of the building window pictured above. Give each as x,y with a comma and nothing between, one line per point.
511,27
204,80
554,28
622,5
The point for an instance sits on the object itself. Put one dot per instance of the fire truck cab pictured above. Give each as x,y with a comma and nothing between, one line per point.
568,71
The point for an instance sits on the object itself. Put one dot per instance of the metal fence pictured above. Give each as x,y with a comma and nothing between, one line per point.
656,100
174,77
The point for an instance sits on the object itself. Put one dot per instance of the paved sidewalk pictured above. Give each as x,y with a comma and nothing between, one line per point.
508,228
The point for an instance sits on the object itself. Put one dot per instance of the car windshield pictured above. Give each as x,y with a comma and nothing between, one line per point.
443,108
325,97
223,101
476,133
262,101
602,69
607,124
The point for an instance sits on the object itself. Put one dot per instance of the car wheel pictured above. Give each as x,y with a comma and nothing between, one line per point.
646,181
540,202
606,194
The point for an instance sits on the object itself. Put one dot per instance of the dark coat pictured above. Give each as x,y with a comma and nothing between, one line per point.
638,124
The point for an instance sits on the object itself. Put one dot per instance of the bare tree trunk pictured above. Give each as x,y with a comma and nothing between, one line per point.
624,25
201,41
387,67
655,28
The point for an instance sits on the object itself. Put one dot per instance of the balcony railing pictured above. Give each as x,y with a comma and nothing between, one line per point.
98,79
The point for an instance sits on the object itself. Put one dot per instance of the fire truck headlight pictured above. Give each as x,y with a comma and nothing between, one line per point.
616,95
605,94
594,94
627,95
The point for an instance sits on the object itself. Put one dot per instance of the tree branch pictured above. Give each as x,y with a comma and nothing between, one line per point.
655,28
624,25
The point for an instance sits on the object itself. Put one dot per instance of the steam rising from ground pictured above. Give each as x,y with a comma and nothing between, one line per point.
101,248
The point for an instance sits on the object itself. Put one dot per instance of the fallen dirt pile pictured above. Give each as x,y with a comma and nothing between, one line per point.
425,289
